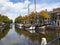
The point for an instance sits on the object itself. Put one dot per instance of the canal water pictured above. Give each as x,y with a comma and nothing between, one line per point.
15,36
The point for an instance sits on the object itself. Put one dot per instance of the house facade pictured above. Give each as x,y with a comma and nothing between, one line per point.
55,17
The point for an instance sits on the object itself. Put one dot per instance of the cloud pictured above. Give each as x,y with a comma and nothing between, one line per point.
12,10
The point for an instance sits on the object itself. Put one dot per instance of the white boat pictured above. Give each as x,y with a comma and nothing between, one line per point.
32,31
20,26
31,28
1,28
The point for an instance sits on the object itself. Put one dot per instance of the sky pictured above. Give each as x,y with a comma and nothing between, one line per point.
15,8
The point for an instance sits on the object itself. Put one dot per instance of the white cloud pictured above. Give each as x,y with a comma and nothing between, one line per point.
18,6
14,10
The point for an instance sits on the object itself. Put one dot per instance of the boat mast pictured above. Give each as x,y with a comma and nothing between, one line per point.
37,17
35,6
28,8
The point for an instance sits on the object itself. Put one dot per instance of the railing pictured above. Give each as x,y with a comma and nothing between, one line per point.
54,40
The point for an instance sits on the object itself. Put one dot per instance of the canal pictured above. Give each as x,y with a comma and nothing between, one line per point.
15,36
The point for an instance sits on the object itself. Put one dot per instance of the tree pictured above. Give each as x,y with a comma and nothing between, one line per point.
4,19
57,8
11,21
26,19
44,14
18,19
32,17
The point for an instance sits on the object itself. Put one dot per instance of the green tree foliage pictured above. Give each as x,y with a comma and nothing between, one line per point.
11,21
4,32
19,19
32,17
44,14
4,19
57,8
25,19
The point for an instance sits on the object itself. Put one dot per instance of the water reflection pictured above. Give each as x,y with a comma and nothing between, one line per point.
37,36
32,38
16,36
4,32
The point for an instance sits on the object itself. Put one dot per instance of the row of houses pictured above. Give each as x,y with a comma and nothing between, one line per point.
54,20
55,17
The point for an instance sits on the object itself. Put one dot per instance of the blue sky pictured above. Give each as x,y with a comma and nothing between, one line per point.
15,8
16,1
38,1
